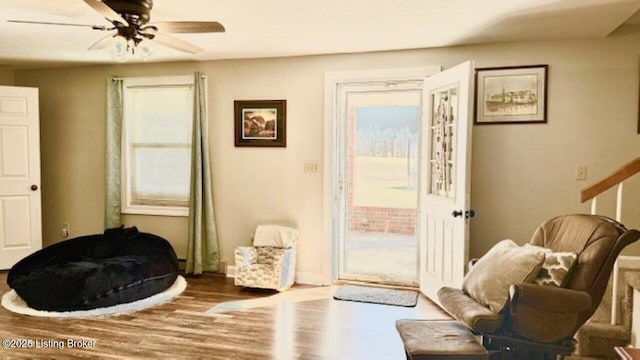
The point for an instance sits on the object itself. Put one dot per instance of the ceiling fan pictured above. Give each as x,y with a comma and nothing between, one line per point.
130,20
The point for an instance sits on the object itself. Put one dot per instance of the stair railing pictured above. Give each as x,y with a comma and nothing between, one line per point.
591,192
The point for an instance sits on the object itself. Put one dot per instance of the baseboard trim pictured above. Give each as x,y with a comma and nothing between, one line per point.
309,278
231,271
302,277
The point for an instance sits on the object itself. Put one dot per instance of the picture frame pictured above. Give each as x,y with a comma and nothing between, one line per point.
260,123
511,95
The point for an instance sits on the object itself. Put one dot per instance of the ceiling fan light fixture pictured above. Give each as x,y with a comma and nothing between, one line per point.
145,50
133,32
119,48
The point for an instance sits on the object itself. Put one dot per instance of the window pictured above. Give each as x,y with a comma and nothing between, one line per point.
157,131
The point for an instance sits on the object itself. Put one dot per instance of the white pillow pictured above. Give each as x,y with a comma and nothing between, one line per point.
275,236
507,263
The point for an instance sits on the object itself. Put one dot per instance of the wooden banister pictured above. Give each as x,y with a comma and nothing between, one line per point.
624,172
616,178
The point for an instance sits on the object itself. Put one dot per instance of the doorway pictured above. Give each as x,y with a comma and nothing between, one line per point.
378,180
379,174
20,199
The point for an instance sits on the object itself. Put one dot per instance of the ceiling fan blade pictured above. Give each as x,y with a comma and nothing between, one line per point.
106,11
102,43
57,23
190,26
176,43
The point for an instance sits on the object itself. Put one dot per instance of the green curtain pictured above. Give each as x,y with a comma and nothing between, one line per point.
202,247
113,140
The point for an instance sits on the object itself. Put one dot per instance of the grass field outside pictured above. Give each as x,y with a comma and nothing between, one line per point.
385,182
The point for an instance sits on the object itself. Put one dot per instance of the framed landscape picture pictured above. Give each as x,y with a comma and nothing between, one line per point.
260,123
511,95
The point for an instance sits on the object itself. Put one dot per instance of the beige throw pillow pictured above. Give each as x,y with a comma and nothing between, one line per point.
507,263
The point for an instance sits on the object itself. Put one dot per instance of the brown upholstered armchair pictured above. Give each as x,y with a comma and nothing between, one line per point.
540,321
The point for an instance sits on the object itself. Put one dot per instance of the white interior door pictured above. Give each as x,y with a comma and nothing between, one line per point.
446,170
20,219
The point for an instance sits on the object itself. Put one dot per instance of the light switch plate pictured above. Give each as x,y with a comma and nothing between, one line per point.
581,172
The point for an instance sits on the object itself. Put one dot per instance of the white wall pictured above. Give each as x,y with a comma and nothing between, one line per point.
522,174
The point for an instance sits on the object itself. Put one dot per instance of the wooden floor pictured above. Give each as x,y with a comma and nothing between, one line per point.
317,329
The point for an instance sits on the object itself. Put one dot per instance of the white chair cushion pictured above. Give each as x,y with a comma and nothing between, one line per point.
275,236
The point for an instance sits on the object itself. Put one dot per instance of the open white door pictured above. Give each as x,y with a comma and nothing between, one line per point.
446,171
20,219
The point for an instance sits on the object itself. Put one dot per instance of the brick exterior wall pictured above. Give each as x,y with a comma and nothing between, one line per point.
379,219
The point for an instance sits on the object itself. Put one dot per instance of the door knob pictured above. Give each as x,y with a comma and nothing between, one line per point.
34,187
467,214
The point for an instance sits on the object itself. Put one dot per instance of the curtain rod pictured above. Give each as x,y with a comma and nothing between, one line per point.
124,78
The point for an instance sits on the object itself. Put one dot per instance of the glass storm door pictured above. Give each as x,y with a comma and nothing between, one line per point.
379,178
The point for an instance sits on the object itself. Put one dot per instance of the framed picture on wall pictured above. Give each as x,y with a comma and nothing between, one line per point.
511,95
260,123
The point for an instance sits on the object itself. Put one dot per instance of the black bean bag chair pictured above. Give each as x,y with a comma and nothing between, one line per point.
94,271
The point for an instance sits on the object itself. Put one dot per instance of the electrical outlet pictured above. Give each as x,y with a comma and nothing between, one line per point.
311,167
65,230
581,172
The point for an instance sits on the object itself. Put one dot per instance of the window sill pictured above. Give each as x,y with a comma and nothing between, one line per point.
155,211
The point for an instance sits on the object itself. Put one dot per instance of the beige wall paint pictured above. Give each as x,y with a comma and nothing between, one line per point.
7,76
521,174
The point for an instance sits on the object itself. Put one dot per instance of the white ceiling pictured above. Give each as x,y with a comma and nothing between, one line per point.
269,28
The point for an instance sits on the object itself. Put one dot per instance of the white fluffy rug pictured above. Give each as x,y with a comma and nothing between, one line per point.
12,302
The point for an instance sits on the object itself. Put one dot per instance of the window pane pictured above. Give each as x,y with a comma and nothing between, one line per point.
161,176
161,115
385,163
158,119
